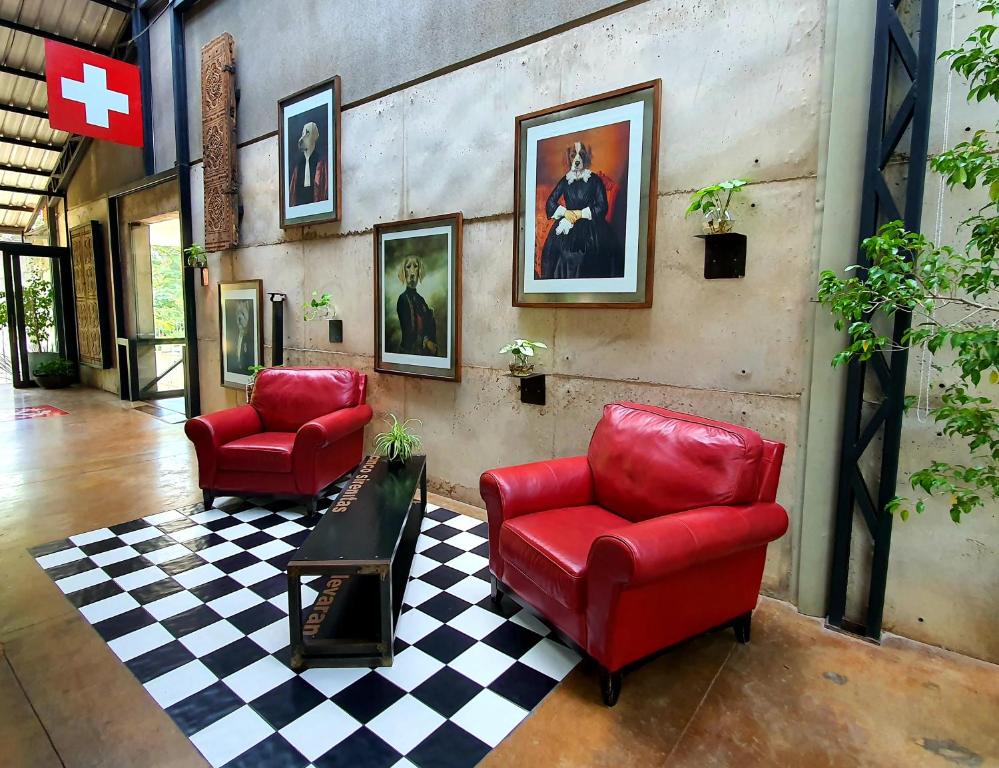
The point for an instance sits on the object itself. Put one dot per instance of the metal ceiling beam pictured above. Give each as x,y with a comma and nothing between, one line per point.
41,114
115,4
22,169
13,190
44,33
19,208
18,142
6,70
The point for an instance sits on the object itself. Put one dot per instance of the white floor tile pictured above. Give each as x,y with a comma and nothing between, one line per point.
166,554
551,658
140,641
258,678
410,668
476,622
236,531
273,637
316,732
329,681
255,573
219,551
464,523
208,515
231,736
114,556
164,517
234,602
143,534
406,723
414,625
482,663
468,562
173,604
191,532
111,606
210,638
465,540
529,621
91,536
141,578
180,683
82,580
70,555
281,530
419,592
198,576
489,717
271,549
421,565
470,589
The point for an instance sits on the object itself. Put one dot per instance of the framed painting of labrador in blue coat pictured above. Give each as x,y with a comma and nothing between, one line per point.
418,297
585,201
309,155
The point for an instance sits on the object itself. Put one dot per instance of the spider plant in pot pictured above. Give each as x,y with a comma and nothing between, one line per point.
522,351
713,202
400,443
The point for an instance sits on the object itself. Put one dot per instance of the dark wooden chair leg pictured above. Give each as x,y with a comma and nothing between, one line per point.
742,626
495,591
208,497
610,686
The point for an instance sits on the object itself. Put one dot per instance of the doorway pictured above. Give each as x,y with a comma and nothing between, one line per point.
158,306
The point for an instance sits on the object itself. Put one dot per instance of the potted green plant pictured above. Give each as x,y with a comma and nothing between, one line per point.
196,257
399,443
713,202
321,307
54,374
38,300
522,349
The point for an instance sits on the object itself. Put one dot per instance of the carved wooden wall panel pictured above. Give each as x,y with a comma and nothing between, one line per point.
218,131
93,321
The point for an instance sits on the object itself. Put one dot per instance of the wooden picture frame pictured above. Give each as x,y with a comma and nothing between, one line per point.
235,373
412,254
600,253
318,106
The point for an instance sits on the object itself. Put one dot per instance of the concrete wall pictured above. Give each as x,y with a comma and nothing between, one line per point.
733,350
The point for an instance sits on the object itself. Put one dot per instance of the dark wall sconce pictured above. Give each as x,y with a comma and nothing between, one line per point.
336,330
724,255
532,388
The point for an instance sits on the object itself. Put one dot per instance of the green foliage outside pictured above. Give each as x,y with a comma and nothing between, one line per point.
168,300
3,310
36,285
950,293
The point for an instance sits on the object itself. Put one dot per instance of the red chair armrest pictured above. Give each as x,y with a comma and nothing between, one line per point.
213,430
652,549
527,488
324,430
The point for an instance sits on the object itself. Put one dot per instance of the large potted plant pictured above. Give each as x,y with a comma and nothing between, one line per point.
38,318
399,443
54,374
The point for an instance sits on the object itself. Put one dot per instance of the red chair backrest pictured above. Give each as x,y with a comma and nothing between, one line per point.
286,398
649,461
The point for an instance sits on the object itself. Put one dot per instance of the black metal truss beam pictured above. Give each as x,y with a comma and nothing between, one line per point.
6,70
18,208
115,5
23,169
886,387
41,114
13,190
29,144
24,29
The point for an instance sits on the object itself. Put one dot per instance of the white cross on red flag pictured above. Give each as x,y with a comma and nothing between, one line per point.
93,95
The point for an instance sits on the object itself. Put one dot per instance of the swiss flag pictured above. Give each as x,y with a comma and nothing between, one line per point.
93,95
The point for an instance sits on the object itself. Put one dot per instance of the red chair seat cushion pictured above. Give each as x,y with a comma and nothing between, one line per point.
262,452
551,548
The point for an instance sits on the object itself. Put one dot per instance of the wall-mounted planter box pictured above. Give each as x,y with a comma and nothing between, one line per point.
724,255
203,274
532,388
336,330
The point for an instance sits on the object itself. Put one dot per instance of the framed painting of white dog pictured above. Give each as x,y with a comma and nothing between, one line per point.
418,297
309,154
584,201
241,335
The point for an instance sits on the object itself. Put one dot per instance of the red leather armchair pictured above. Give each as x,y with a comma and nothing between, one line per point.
303,429
658,534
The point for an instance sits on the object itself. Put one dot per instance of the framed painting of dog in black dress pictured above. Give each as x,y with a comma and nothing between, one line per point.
418,297
240,331
585,201
309,154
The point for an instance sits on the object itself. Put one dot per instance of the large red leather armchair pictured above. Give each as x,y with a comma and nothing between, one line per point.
302,429
658,534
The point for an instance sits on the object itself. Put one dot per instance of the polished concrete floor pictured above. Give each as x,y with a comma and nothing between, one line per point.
798,695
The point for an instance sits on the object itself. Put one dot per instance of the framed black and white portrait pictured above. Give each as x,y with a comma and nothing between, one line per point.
585,201
309,154
240,330
418,297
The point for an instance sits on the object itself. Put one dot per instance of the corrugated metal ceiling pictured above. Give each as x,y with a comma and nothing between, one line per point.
85,21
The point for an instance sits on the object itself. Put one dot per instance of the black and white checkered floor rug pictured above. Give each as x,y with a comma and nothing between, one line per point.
195,604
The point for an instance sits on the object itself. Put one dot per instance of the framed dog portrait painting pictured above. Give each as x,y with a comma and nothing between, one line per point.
418,297
240,330
309,154
585,201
